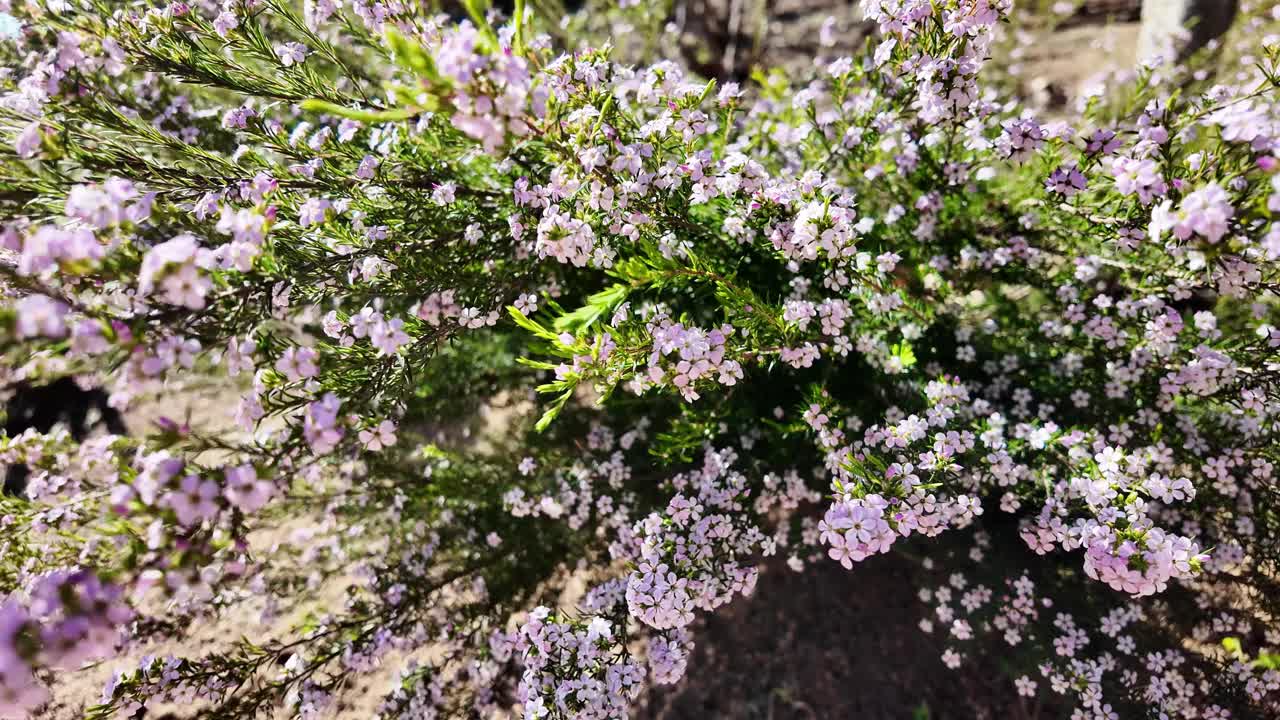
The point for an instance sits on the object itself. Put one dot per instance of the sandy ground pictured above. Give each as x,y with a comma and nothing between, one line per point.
1058,66
211,408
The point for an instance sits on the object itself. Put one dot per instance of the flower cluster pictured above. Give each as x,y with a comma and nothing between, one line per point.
575,668
71,617
684,358
691,557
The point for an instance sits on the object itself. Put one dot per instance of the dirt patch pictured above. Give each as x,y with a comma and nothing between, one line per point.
1061,65
830,643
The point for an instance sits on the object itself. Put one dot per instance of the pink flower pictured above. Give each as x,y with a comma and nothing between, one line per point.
443,193
245,490
1207,212
175,268
195,500
379,437
298,363
1138,177
313,212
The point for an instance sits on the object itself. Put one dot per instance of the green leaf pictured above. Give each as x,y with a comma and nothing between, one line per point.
517,38
706,92
1232,644
903,352
369,116
523,321
597,306
608,105
553,411
538,364
411,56
634,270
478,10
1268,661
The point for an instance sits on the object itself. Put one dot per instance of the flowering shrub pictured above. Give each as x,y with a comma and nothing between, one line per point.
821,318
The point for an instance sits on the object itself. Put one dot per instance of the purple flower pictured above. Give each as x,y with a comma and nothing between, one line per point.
1066,180
313,212
41,316
225,23
29,140
291,53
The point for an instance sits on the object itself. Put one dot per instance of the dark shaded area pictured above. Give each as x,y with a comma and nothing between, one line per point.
41,407
831,643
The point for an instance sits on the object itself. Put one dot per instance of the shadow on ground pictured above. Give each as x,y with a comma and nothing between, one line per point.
831,643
